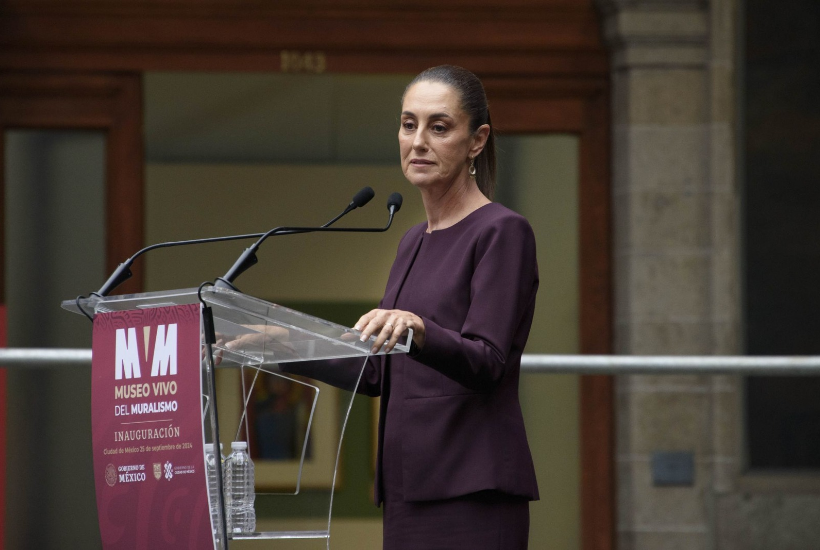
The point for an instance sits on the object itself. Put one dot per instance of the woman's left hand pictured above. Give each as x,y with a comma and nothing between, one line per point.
388,325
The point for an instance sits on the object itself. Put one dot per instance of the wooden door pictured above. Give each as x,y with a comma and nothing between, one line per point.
52,104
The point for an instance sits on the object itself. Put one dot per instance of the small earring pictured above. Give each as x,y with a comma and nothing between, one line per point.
471,171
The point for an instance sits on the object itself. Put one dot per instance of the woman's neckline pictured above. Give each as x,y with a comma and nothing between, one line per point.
458,223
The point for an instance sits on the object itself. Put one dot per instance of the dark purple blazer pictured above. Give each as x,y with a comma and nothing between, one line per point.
461,428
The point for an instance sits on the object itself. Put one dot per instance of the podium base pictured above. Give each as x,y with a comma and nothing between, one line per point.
282,535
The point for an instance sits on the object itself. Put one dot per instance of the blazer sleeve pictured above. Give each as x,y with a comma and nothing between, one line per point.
502,298
341,373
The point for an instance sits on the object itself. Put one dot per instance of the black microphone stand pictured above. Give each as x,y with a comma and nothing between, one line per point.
123,271
248,258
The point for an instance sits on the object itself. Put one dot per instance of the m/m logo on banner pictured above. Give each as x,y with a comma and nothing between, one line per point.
127,362
127,365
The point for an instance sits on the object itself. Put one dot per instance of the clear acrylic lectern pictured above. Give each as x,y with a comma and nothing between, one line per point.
265,341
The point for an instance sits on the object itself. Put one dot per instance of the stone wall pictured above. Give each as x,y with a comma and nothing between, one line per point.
676,258
677,280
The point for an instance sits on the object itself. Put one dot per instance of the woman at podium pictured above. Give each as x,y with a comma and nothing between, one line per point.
454,468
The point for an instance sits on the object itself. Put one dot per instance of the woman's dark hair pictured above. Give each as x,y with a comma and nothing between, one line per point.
474,103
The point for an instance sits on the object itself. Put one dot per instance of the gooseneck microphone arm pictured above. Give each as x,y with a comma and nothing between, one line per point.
248,258
123,271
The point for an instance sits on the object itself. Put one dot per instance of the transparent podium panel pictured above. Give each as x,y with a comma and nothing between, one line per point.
251,330
285,383
293,417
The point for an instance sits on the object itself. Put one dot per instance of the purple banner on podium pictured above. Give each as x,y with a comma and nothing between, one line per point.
146,407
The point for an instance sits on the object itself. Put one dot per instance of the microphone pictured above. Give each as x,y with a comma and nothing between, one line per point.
123,271
248,258
359,199
394,203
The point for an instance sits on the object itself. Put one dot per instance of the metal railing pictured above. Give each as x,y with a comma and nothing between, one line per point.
545,364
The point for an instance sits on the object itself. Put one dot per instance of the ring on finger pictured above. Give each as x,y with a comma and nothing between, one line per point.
389,323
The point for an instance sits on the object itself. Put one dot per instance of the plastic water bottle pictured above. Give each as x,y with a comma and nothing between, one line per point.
240,492
211,464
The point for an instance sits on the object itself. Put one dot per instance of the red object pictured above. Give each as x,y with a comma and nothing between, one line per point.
2,431
146,426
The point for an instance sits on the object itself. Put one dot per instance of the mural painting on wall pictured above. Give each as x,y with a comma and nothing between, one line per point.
289,418
278,414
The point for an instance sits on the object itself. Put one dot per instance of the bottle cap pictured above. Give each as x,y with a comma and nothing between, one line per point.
239,445
209,447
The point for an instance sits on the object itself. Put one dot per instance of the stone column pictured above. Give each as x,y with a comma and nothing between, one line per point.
675,257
